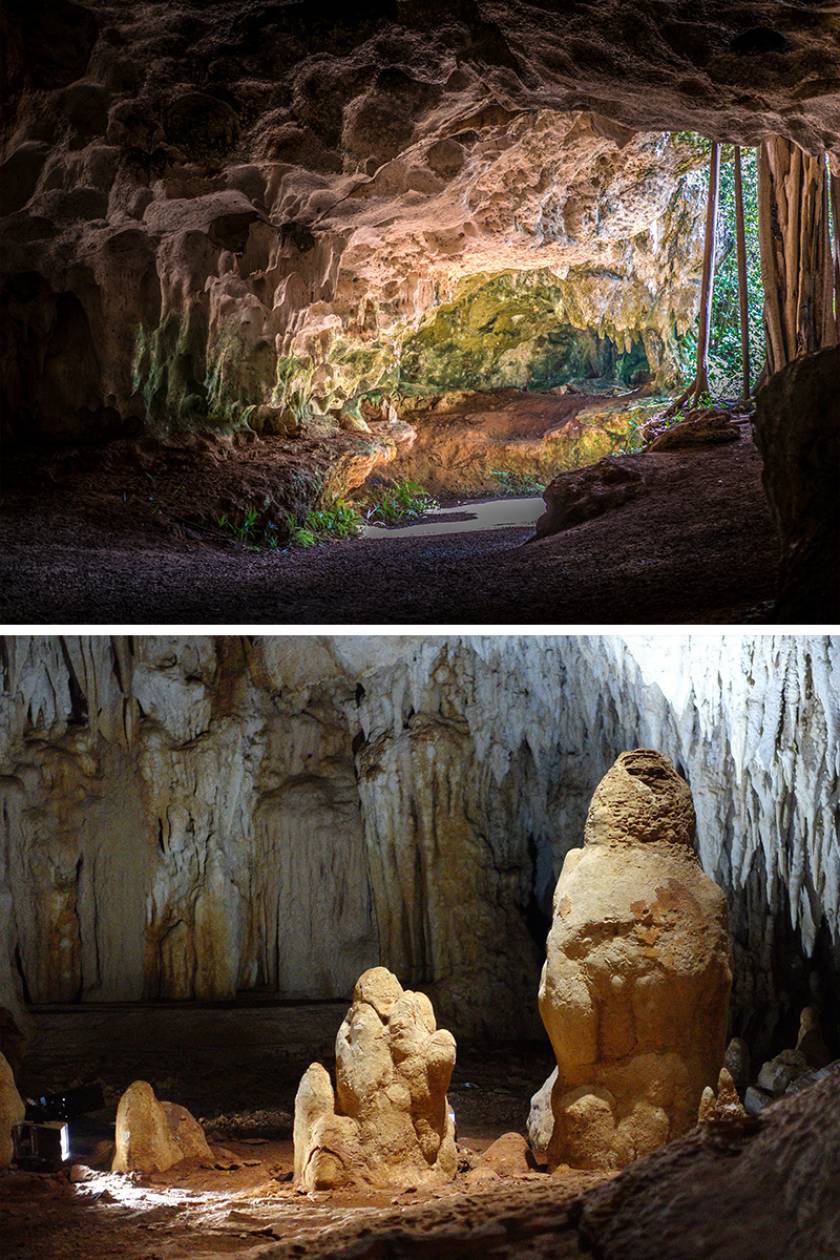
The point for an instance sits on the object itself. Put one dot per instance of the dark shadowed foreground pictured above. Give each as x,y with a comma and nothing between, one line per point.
695,544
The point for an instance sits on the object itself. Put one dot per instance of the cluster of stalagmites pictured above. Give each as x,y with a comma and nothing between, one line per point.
388,1120
634,995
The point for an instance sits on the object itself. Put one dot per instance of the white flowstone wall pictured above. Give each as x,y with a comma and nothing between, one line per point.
194,817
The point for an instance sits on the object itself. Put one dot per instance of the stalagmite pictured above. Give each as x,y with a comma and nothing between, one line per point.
722,1105
635,989
153,1136
388,1122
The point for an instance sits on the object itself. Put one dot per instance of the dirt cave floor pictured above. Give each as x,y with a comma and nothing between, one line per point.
246,1204
82,544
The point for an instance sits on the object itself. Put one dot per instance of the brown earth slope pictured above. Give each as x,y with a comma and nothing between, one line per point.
697,545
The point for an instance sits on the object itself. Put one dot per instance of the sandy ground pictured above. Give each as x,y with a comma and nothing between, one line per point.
698,546
247,1205
466,517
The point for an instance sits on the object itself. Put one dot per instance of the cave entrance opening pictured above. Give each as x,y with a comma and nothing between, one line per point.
507,383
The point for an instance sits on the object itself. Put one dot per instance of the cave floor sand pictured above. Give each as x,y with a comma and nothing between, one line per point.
252,1208
466,517
697,546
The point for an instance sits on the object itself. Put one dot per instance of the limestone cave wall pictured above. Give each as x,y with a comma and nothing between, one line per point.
217,215
191,818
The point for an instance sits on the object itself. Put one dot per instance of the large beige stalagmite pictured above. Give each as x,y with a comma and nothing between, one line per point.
635,989
389,1121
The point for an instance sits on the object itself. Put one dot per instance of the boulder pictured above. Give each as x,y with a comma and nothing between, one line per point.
797,432
12,1111
755,1100
807,1079
584,493
707,427
777,1073
388,1121
153,1136
634,992
509,1156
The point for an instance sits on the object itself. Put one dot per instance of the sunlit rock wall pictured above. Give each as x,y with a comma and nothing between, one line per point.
193,817
209,208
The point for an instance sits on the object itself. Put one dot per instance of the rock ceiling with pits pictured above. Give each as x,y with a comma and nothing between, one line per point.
225,207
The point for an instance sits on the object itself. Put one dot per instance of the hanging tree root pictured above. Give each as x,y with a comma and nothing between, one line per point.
700,385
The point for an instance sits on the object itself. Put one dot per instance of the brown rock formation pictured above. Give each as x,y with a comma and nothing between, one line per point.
153,1136
797,431
389,1121
211,211
723,1106
635,988
12,1111
761,1192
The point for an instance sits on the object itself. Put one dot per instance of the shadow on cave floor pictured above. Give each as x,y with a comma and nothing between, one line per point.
695,545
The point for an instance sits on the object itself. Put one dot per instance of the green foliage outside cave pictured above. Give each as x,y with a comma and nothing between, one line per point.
725,340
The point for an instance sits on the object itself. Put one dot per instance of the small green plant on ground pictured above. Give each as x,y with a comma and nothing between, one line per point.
517,483
249,531
255,531
403,501
342,520
299,535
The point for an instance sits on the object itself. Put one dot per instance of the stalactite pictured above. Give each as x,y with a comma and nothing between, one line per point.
287,812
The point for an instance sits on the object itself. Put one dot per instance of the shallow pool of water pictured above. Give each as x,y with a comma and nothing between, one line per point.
463,518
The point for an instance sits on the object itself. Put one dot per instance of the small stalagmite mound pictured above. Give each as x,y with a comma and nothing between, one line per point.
388,1121
634,993
153,1136
12,1111
723,1106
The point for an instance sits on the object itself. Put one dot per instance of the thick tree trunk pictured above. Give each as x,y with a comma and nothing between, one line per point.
743,304
793,237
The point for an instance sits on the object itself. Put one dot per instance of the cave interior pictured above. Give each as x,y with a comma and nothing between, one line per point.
484,847
276,275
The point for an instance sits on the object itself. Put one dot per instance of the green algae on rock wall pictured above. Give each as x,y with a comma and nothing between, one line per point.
524,329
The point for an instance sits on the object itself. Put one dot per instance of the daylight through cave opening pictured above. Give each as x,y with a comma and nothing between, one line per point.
320,270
